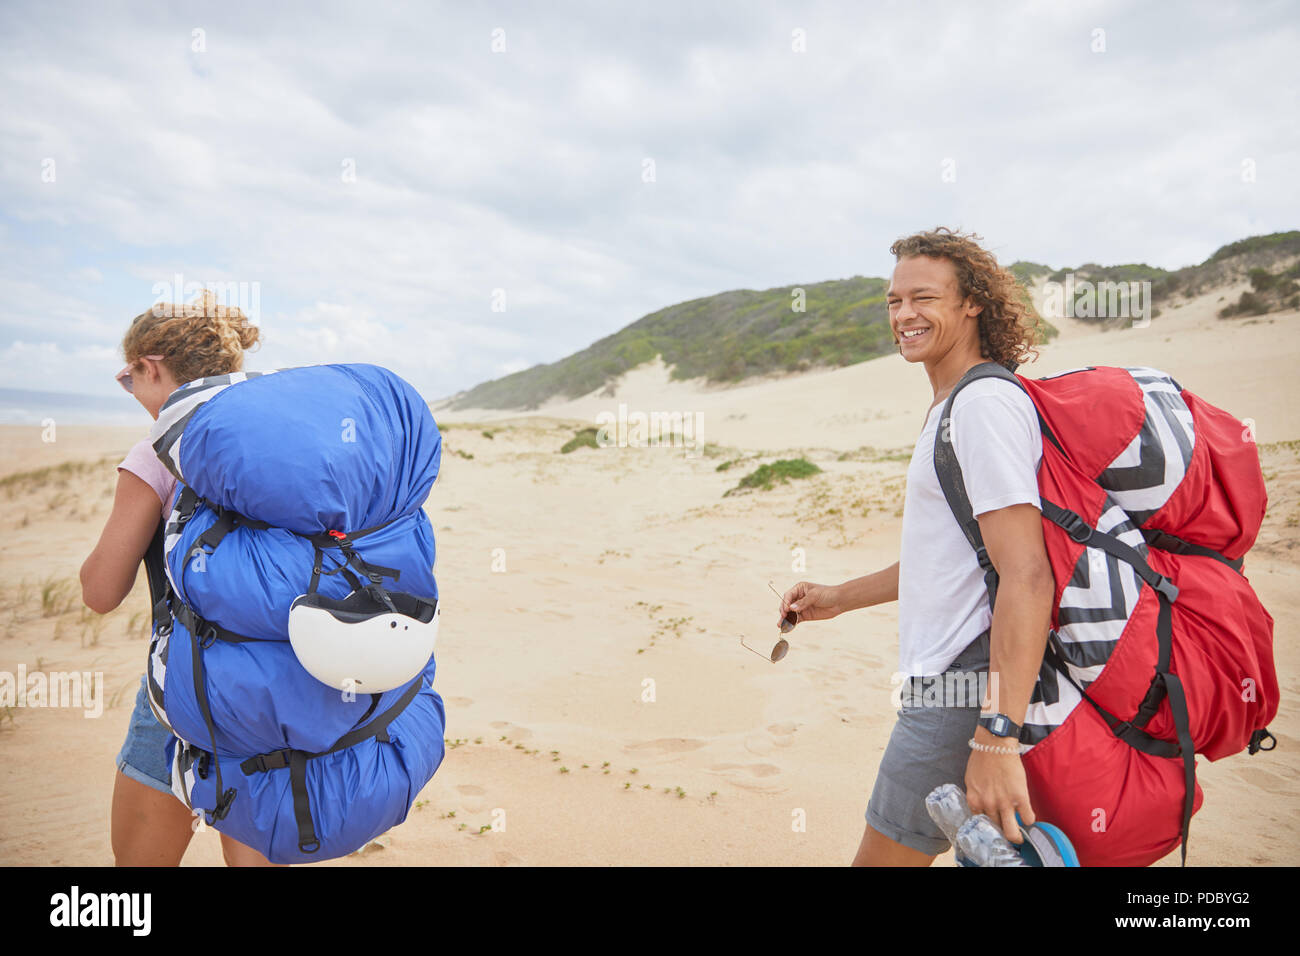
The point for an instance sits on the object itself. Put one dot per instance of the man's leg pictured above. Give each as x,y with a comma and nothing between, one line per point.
876,849
927,747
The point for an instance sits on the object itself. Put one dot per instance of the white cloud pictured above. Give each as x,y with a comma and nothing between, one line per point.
521,171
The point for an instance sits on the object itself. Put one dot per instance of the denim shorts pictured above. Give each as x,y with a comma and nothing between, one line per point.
143,756
929,746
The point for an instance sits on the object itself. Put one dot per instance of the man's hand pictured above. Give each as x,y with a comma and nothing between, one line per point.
811,602
996,787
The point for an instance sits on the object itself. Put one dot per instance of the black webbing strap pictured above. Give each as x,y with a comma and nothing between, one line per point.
159,587
1182,724
1086,534
224,797
1164,650
308,842
1164,541
1125,730
296,761
207,631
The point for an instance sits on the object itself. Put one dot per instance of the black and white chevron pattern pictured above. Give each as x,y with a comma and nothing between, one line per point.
1095,607
1144,475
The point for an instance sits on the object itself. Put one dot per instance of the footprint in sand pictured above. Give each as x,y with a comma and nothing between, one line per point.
756,769
472,797
459,701
511,731
666,745
750,776
503,858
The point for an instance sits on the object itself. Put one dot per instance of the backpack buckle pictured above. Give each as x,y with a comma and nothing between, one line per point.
1075,526
1257,741
223,804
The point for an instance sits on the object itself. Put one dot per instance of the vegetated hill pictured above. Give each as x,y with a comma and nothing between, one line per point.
1270,262
723,338
732,336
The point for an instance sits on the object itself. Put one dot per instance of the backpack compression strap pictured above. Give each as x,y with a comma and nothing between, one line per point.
1164,683
296,761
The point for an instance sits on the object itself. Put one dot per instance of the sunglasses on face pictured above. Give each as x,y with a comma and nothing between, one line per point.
124,377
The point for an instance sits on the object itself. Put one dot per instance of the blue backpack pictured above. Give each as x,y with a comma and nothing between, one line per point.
302,480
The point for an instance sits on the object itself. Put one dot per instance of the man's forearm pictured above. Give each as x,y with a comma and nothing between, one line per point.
1021,618
870,589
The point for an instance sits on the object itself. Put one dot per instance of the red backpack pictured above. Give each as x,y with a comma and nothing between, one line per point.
1150,499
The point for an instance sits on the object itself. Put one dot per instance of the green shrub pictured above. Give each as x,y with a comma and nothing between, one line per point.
584,438
779,472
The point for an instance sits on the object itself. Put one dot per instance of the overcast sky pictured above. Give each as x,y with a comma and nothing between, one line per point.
375,173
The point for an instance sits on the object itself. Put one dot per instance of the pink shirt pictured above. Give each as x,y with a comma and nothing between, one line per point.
144,464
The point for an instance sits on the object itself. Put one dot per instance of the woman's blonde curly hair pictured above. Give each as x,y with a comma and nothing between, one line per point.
1008,325
196,340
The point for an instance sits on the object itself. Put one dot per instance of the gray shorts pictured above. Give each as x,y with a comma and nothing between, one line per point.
929,746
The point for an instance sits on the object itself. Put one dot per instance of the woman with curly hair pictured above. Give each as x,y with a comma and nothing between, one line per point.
951,307
164,348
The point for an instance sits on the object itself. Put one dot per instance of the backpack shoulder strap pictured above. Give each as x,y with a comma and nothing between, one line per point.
159,586
949,469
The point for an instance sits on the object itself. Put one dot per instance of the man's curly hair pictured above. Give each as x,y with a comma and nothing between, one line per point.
1009,328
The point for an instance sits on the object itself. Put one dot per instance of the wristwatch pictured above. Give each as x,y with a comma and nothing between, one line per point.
1000,725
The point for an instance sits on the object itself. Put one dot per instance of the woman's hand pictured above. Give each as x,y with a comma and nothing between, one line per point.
812,602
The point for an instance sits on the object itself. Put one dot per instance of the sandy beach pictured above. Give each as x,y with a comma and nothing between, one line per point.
599,703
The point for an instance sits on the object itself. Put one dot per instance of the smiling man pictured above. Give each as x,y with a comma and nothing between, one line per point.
952,307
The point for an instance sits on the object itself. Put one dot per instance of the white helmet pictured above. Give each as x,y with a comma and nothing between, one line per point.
358,644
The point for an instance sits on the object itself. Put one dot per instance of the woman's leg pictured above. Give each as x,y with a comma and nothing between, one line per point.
237,854
150,828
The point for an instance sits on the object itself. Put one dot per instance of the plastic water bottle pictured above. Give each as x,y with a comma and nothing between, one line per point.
976,838
948,808
981,842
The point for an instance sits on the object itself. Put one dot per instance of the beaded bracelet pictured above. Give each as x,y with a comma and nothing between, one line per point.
990,749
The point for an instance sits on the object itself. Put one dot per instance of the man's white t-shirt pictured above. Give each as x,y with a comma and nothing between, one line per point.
942,600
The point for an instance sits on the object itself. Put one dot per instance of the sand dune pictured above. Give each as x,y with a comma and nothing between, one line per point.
598,700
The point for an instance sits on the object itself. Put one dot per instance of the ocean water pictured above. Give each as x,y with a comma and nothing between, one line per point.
20,406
